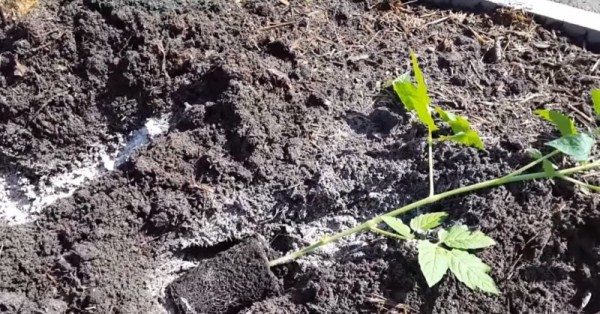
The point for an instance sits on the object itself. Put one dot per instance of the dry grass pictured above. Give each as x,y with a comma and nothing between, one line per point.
16,8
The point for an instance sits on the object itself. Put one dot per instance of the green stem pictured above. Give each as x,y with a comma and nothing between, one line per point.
581,183
386,233
531,164
430,144
365,226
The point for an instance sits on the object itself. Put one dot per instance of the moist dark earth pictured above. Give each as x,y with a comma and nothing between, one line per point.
282,125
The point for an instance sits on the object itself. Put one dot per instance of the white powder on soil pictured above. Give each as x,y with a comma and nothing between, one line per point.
20,200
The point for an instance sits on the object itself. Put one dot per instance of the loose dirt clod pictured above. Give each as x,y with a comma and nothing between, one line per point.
227,283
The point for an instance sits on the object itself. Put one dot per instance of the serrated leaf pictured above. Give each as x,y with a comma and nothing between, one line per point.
398,226
469,138
433,261
459,237
415,96
563,123
421,86
426,222
577,146
596,101
457,123
471,271
463,133
406,90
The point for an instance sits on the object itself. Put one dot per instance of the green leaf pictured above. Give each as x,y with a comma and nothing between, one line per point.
565,125
421,86
577,146
457,123
398,226
406,90
460,237
433,261
534,153
471,271
549,168
415,96
469,138
426,222
596,101
547,165
463,133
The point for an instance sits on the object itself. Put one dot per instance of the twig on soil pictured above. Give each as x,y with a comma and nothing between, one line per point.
595,66
480,38
428,15
163,52
528,98
46,103
478,75
397,5
388,305
371,39
269,27
440,20
125,45
324,40
513,267
587,118
441,96
409,2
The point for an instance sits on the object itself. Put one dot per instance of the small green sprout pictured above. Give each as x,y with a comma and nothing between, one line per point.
450,252
414,96
596,102
416,99
463,133
573,143
452,249
578,145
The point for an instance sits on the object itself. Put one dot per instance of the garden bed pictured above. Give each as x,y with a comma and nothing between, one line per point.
280,125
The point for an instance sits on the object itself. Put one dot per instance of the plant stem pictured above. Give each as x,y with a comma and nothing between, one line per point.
365,226
531,164
430,144
386,233
581,183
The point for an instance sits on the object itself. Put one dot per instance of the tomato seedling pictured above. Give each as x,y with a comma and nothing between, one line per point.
451,250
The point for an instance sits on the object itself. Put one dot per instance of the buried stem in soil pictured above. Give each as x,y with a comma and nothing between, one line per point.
430,144
515,176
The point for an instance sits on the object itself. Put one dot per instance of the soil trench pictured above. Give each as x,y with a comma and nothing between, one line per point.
280,125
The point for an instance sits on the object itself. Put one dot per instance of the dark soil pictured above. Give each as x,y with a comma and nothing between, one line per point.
228,282
280,126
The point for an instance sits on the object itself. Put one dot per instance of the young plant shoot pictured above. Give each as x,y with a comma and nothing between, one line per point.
451,251
453,247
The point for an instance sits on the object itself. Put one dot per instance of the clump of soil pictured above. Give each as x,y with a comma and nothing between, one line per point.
228,282
280,126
